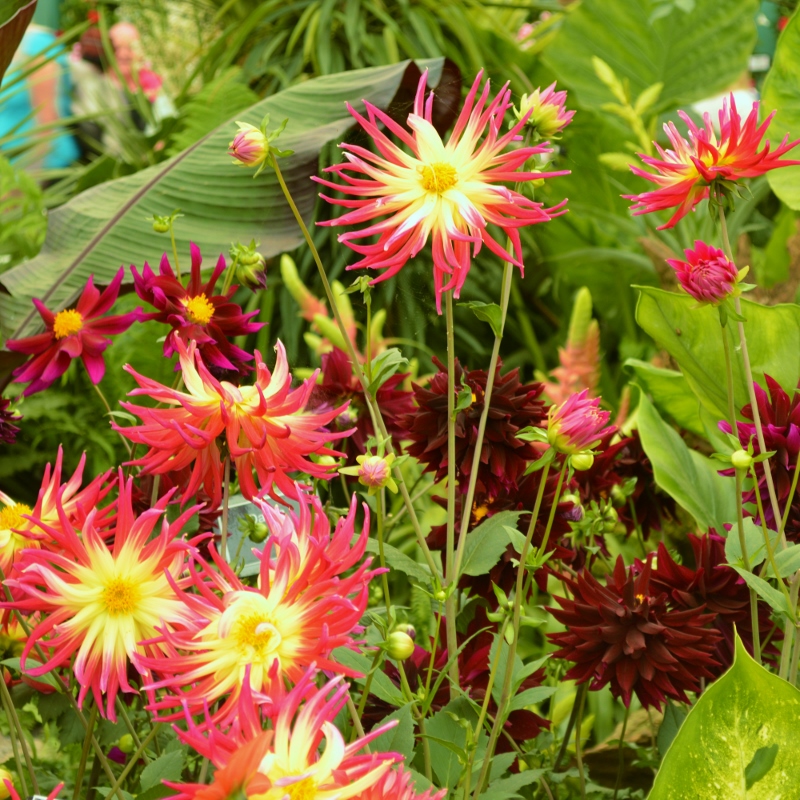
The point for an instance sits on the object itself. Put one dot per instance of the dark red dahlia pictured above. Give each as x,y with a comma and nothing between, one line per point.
197,314
8,431
780,422
715,586
625,635
614,465
339,385
514,406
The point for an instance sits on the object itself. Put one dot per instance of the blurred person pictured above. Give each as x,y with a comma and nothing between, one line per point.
40,99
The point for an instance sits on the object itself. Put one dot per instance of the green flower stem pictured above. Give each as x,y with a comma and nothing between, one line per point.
748,372
790,634
87,743
790,498
374,409
621,762
174,249
356,717
382,556
129,725
13,734
726,349
517,614
573,716
420,717
116,785
578,725
362,703
229,273
226,492
450,574
14,718
102,397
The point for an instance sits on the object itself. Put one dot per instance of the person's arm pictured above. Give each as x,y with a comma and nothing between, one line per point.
44,91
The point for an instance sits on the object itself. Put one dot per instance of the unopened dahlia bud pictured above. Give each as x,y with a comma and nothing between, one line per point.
161,224
741,459
582,461
399,646
577,424
547,115
375,472
126,743
250,146
707,275
250,266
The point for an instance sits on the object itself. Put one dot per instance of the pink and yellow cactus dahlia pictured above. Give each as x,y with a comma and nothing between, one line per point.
578,424
265,425
311,595
99,603
449,192
285,762
684,174
707,274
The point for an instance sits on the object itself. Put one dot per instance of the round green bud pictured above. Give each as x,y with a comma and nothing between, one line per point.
440,595
582,461
160,226
125,743
741,459
399,645
258,532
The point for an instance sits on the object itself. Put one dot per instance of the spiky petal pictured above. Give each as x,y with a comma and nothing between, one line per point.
577,424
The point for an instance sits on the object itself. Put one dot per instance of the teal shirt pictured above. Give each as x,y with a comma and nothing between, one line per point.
16,111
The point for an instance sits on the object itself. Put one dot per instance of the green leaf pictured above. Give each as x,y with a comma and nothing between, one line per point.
674,715
692,337
777,258
509,787
399,739
765,590
486,543
105,226
384,366
686,475
47,678
488,312
676,50
398,560
447,741
15,15
156,793
670,394
725,746
381,686
753,541
787,561
780,94
532,696
167,767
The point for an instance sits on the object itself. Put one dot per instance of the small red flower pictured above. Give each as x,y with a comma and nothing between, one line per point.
196,313
80,331
623,635
707,275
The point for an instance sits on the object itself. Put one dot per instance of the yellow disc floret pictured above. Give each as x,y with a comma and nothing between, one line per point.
256,637
305,789
67,322
11,517
199,309
120,597
438,177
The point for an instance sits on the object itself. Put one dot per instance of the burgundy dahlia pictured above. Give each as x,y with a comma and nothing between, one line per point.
197,314
8,431
780,422
339,385
718,588
514,406
625,635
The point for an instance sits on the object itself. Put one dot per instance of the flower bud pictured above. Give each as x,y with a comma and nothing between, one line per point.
707,275
582,461
250,146
5,775
253,529
547,115
125,743
741,459
577,424
250,266
399,646
161,224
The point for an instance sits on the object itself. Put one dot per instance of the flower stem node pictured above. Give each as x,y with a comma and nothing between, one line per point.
399,646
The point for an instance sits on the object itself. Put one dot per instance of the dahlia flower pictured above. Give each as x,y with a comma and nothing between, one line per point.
545,111
286,762
449,192
311,595
266,427
100,602
196,313
250,147
634,640
685,174
578,424
80,331
22,526
780,423
12,792
504,457
8,431
340,386
707,275
718,588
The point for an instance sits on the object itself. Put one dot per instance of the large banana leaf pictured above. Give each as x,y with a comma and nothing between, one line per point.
107,226
14,18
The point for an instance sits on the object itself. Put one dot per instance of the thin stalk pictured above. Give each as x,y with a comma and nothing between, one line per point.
374,410
790,634
382,557
203,771
788,507
12,734
726,349
362,703
226,491
175,250
451,576
621,762
573,716
748,373
129,725
512,650
133,760
14,718
87,744
578,756
426,750
356,718
154,491
795,658
102,397
230,272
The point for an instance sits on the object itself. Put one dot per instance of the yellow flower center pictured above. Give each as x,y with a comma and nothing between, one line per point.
479,512
305,789
67,322
253,633
640,598
438,177
199,309
120,597
11,516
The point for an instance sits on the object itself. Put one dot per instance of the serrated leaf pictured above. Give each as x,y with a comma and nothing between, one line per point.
488,312
486,543
753,541
398,560
167,767
399,739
